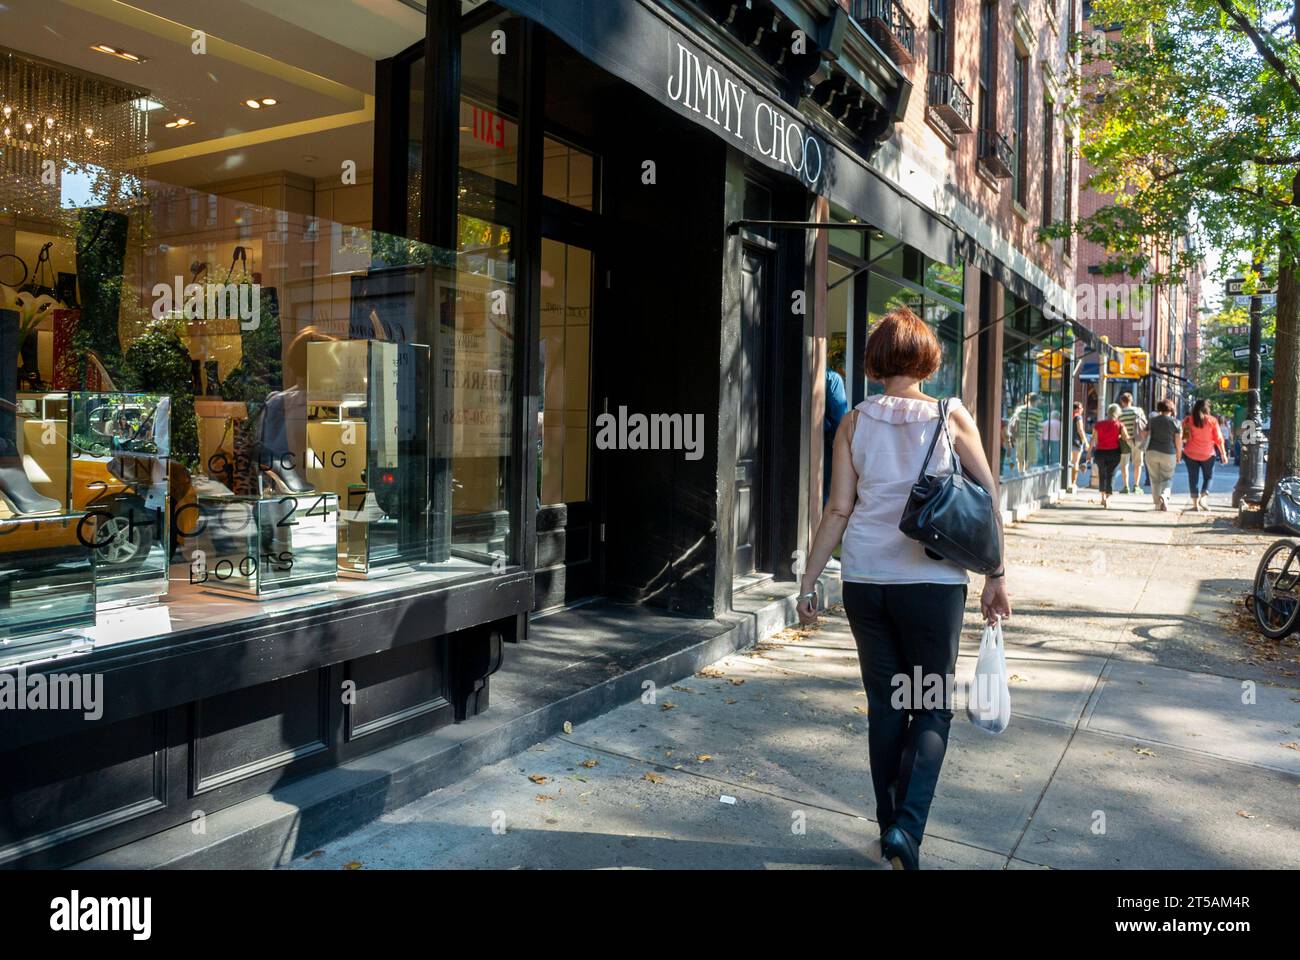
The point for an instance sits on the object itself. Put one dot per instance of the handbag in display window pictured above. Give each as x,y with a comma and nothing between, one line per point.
953,516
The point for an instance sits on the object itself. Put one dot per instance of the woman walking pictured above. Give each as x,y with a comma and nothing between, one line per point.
1078,444
1106,437
905,609
1166,445
1202,438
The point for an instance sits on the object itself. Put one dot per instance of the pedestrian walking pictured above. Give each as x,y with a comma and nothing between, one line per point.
1131,451
904,607
1078,444
1202,438
1164,447
1052,437
1107,435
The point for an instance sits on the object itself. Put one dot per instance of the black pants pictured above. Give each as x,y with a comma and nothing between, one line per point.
899,627
1107,464
1205,468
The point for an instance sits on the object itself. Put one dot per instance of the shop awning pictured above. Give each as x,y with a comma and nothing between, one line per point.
642,45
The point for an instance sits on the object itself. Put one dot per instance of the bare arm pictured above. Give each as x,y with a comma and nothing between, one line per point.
839,507
994,602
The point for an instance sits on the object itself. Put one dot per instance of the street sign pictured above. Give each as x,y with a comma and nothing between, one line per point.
1241,353
1233,287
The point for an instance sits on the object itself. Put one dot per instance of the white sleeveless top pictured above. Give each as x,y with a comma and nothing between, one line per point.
890,439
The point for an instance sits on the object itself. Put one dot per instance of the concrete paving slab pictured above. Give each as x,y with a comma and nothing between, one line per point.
614,814
1163,809
1202,713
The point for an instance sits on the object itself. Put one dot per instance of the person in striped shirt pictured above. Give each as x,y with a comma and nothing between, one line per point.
1135,422
1026,428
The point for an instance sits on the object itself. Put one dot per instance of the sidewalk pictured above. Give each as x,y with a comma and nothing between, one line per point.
1130,745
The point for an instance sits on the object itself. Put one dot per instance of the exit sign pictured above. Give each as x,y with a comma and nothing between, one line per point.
489,127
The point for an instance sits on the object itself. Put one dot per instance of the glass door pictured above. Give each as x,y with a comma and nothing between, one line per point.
567,528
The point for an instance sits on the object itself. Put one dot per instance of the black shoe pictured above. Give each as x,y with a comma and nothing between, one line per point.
900,849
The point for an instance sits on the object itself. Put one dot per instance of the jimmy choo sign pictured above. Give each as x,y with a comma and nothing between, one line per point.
708,90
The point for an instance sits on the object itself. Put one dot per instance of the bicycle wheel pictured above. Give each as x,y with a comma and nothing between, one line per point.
1277,590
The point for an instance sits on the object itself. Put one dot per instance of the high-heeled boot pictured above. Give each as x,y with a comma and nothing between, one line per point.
16,489
275,457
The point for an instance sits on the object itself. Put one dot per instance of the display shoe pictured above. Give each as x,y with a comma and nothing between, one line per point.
275,458
17,490
898,847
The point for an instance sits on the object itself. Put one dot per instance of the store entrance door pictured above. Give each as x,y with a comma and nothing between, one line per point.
755,318
568,567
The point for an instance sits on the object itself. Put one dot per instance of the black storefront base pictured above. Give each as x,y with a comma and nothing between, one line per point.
576,665
200,722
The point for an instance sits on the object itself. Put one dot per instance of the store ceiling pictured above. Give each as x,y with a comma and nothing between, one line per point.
315,57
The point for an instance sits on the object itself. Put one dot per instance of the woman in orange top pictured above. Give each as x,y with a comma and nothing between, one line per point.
1106,435
1202,438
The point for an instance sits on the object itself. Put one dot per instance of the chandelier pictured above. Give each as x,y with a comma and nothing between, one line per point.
83,123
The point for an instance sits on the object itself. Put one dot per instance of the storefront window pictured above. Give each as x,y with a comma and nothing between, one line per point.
938,302
1035,366
217,380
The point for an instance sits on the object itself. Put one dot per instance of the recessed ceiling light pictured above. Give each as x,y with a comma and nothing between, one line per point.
252,105
257,104
118,52
269,101
180,122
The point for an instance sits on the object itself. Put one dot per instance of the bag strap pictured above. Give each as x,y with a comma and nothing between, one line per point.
952,448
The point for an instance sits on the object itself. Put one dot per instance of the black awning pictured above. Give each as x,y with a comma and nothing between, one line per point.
1170,375
641,44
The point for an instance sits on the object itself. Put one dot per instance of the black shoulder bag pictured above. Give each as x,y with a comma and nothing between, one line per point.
953,515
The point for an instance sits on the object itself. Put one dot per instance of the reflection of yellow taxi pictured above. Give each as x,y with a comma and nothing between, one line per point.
118,506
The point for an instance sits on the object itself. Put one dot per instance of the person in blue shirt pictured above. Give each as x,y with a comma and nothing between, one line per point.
837,406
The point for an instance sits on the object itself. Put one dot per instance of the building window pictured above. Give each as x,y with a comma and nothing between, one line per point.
1035,365
930,289
1049,143
988,84
1020,108
1068,216
938,36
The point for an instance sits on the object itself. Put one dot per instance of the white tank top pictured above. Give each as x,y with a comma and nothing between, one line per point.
890,439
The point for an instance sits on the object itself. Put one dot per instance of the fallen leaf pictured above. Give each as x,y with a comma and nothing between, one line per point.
1248,816
1292,745
542,798
667,705
352,865
735,681
568,727
1144,751
711,673
654,778
704,758
589,763
861,710
538,778
729,702
314,854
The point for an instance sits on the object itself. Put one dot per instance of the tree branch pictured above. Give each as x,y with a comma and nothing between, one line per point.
1268,53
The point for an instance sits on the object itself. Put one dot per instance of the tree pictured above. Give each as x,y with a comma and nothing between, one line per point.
1191,117
1221,334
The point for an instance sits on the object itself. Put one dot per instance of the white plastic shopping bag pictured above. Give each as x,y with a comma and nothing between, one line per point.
988,699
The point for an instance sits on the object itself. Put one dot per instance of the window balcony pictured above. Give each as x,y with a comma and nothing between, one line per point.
949,102
996,153
891,28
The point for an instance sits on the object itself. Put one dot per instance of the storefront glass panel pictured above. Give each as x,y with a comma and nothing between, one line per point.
1035,364
217,380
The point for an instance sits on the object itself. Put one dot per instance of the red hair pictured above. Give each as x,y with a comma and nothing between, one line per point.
902,345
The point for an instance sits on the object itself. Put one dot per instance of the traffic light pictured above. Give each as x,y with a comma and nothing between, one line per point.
1234,383
1131,364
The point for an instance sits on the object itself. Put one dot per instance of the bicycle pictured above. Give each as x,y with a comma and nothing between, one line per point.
1275,599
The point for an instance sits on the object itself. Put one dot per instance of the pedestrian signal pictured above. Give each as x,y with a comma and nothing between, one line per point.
1130,364
1234,382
